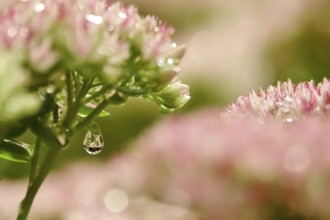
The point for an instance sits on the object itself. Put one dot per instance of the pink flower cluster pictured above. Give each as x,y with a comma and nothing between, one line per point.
240,169
286,101
88,36
201,166
100,40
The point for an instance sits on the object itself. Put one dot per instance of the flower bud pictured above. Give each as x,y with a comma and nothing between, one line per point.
173,96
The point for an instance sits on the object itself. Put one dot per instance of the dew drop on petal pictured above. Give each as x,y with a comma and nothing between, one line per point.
39,7
161,62
170,61
122,15
287,117
93,141
94,19
156,29
317,110
50,89
288,99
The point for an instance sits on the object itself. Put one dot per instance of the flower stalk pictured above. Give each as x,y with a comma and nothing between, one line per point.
36,182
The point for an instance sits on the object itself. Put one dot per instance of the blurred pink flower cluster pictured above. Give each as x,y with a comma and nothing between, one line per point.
286,101
200,166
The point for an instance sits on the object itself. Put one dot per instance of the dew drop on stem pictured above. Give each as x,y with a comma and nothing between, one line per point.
93,141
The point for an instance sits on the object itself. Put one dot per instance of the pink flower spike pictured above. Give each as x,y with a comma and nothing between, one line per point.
286,101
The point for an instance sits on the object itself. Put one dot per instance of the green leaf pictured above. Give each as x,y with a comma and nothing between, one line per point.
84,111
16,151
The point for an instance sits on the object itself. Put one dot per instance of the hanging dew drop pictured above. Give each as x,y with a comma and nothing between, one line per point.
288,117
93,141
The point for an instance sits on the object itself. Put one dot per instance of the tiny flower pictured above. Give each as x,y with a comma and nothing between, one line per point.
286,101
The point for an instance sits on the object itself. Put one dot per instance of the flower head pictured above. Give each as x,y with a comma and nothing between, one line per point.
286,101
107,42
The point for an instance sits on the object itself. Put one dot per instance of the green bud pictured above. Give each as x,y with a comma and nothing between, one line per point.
173,96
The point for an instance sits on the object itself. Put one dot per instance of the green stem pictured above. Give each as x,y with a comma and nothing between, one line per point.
35,185
35,166
73,107
92,115
97,94
69,88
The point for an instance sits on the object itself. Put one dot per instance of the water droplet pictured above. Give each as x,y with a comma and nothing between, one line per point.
161,62
288,99
39,7
93,140
50,89
317,110
94,19
122,15
156,29
170,61
288,117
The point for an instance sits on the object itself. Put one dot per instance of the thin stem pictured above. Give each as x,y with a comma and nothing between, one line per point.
34,187
76,83
92,115
35,166
69,90
99,93
73,107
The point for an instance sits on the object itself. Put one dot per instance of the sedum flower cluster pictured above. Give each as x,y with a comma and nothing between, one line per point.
45,43
286,101
200,170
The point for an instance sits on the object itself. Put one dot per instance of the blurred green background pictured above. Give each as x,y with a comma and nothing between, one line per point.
231,48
